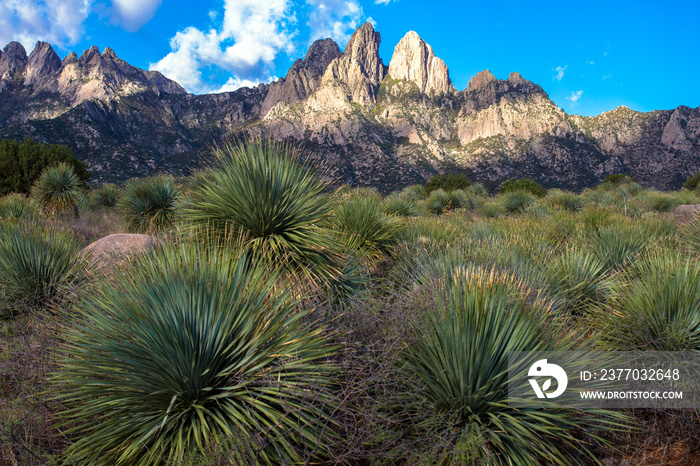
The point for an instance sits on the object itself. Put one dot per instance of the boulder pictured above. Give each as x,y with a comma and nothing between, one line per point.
114,250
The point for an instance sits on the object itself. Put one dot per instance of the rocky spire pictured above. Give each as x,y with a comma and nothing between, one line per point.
43,62
360,70
13,60
304,77
414,60
481,80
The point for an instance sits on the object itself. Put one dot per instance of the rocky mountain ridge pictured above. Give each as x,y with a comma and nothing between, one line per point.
374,124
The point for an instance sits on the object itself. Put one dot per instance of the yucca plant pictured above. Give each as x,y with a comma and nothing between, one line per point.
460,365
578,280
150,204
399,204
616,246
438,202
265,192
106,195
57,189
568,201
15,206
38,264
363,221
656,307
517,201
190,347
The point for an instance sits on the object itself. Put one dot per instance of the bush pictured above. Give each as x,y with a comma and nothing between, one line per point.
415,192
150,204
460,365
21,163
568,201
17,207
517,201
399,204
578,281
368,228
37,264
106,195
265,192
693,182
447,182
656,307
190,347
523,184
477,189
58,189
438,202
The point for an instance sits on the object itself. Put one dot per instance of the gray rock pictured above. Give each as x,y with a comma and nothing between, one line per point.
113,250
43,62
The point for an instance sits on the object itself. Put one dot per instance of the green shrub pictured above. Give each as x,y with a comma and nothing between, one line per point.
568,201
186,348
17,207
460,365
616,245
517,201
447,182
106,195
150,204
415,192
438,202
661,202
523,184
363,221
265,192
38,265
21,164
399,204
477,189
492,210
578,281
656,307
693,182
57,189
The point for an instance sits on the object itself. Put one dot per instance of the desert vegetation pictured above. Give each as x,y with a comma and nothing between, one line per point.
283,320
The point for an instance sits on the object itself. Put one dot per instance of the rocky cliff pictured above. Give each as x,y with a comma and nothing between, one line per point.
384,126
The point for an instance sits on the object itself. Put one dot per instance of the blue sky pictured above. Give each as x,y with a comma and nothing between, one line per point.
589,57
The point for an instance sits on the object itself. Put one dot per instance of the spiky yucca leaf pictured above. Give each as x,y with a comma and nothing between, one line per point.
362,218
36,263
279,203
189,347
106,195
656,307
15,206
578,279
150,204
58,188
461,362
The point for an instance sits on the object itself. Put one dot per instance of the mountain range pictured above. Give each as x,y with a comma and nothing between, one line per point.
371,124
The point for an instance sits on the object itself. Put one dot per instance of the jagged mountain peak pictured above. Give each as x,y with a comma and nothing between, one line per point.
304,76
12,61
42,63
414,61
481,80
359,70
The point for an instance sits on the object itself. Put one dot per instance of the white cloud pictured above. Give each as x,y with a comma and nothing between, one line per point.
59,22
371,21
235,83
560,72
575,96
253,32
133,14
383,2
336,19
590,62
607,76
